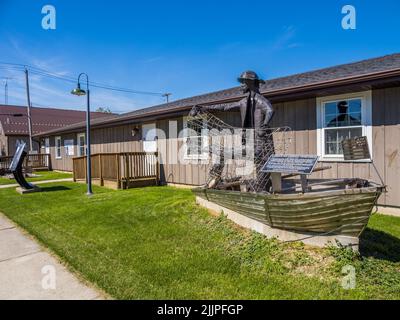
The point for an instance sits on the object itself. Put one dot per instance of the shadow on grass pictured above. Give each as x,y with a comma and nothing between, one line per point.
380,245
55,188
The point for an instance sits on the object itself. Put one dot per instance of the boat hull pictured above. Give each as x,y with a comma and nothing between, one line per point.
340,212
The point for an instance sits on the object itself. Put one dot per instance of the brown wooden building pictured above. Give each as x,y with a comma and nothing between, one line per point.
311,104
14,124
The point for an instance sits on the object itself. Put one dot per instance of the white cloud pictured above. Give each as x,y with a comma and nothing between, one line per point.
51,92
284,40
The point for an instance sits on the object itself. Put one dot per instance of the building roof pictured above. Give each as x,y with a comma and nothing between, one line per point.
43,119
356,72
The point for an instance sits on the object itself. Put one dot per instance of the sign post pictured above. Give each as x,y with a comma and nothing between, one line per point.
302,165
358,149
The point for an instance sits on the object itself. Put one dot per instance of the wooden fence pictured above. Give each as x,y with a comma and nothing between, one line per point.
119,170
32,162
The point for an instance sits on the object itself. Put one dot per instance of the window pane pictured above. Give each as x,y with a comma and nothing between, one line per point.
355,106
343,113
355,132
343,120
330,108
355,119
343,117
334,138
194,145
331,120
331,148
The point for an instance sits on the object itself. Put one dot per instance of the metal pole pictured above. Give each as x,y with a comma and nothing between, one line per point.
166,95
29,110
377,172
88,146
6,93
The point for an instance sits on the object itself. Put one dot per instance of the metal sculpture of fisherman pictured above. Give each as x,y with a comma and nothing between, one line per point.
256,111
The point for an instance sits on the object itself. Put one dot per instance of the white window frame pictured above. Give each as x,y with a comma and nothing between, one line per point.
366,122
149,145
69,147
58,138
47,145
205,143
78,139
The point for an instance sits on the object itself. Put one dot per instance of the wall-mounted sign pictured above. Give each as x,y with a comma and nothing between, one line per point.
290,164
356,149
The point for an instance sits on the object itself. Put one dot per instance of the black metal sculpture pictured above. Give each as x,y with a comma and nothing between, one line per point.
16,167
256,113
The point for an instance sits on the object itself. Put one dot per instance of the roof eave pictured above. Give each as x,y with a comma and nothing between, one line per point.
272,94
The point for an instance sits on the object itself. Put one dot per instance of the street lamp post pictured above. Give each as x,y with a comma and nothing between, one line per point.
80,92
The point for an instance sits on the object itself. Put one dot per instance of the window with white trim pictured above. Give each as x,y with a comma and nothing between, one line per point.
69,147
47,145
196,142
149,137
342,117
58,147
81,144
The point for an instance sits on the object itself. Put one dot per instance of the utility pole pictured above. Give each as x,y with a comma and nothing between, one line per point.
6,89
166,95
29,110
6,93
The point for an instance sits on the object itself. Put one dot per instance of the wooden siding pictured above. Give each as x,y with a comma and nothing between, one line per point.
386,141
65,162
3,145
300,115
12,144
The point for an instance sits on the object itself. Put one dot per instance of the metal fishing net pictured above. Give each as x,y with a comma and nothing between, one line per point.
236,155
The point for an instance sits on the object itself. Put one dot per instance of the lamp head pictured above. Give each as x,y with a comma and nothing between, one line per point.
78,91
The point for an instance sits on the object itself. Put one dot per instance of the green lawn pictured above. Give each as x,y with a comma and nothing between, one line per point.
41,176
155,243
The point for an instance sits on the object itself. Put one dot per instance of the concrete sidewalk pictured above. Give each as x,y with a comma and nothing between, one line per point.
29,272
36,182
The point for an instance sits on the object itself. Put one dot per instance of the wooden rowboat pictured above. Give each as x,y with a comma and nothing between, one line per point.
341,211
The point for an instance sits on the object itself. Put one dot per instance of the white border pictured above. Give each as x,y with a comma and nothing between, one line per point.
366,122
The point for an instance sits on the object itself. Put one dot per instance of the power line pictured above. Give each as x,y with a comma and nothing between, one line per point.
45,73
96,85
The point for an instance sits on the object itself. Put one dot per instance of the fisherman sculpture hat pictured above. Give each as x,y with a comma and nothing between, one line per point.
250,75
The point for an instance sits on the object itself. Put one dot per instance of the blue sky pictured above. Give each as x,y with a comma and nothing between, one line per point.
183,47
